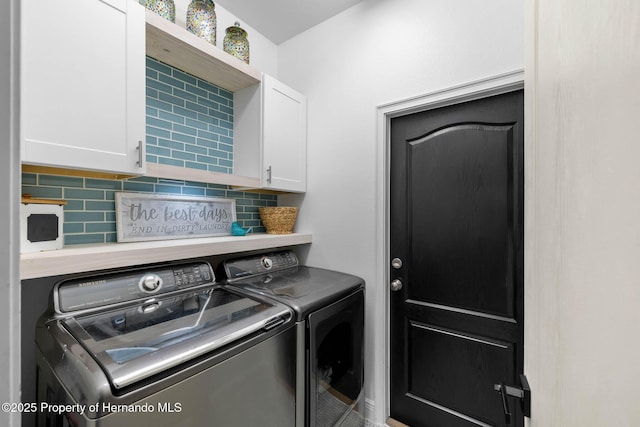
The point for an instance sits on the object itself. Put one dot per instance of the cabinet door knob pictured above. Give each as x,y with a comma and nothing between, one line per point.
269,175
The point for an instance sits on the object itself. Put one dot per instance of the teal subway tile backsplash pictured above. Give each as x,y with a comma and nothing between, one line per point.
171,162
187,117
89,215
189,123
61,181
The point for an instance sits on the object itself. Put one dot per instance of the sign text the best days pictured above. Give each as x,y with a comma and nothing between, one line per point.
142,216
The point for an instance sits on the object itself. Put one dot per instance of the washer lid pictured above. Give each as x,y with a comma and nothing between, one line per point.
305,289
136,342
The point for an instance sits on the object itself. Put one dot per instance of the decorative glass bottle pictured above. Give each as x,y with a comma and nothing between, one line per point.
164,8
236,42
201,19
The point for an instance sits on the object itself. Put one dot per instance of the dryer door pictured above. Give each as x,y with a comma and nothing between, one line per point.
336,364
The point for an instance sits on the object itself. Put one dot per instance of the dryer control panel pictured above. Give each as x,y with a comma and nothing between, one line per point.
241,268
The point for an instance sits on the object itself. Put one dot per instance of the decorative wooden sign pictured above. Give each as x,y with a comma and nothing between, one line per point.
141,216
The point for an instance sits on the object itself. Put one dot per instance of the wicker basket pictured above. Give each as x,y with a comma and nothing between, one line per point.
278,220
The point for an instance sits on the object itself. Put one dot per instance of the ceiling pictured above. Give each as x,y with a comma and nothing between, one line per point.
279,20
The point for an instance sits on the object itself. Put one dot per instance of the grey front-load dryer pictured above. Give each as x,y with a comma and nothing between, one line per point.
329,311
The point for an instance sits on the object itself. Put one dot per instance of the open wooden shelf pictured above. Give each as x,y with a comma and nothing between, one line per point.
196,175
84,258
174,45
83,173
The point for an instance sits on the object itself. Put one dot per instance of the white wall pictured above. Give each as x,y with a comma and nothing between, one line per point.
583,212
376,52
9,194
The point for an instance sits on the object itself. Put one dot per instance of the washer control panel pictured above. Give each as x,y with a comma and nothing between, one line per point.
91,292
241,268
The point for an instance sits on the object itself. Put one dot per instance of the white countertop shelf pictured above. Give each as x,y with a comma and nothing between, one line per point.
174,45
85,258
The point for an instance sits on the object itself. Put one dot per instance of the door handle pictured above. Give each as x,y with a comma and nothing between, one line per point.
396,285
505,404
269,175
523,393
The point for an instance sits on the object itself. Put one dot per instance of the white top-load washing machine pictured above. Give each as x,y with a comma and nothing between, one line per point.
329,312
164,346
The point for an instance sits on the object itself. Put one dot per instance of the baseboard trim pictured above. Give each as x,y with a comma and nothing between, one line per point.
394,423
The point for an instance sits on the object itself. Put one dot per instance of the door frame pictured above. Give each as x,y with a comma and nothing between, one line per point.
494,85
10,329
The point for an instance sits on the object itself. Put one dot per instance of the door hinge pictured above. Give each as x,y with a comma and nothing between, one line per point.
523,393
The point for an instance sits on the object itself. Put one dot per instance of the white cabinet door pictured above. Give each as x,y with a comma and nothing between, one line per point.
284,139
82,84
270,135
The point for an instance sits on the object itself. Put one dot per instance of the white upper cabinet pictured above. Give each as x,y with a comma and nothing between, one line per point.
83,84
284,143
270,131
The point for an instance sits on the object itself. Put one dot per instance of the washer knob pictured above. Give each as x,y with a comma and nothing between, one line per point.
267,263
151,283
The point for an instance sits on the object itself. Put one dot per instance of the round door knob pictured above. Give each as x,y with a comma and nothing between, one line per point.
396,285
